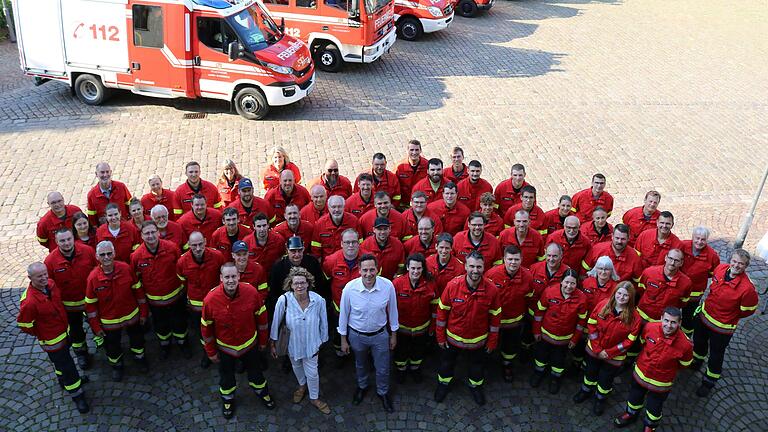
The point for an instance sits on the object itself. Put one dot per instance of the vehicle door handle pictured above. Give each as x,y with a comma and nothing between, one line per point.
196,60
325,28
136,66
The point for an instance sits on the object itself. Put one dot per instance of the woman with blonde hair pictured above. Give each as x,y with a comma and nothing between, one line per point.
270,177
302,311
228,182
613,327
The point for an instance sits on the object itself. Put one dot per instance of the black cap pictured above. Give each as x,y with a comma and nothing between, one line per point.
294,243
380,221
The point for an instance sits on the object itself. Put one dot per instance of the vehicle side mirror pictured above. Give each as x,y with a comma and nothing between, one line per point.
233,49
354,15
282,25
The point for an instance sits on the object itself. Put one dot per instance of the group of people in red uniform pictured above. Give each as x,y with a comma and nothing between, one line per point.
475,268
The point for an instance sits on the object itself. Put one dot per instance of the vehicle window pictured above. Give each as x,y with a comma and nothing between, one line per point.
214,33
276,2
341,4
310,4
147,26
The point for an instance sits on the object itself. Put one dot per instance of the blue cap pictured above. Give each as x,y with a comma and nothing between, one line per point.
239,246
244,183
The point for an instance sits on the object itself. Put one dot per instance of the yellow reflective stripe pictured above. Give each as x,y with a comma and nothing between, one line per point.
415,329
512,320
261,311
631,337
716,322
541,258
542,231
574,209
494,312
584,315
396,198
649,380
645,316
55,340
91,300
497,262
136,246
205,322
585,265
469,341
315,244
748,308
262,286
592,321
238,347
26,324
90,212
137,285
74,386
195,302
226,392
42,240
686,362
555,337
178,211
641,285
123,319
23,295
442,306
408,237
540,306
168,296
74,303
181,277
218,205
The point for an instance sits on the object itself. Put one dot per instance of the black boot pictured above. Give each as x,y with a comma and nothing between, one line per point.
186,350
227,408
117,373
581,396
142,364
478,395
266,399
400,376
598,408
416,375
81,404
165,351
536,379
509,374
205,362
554,385
83,359
441,392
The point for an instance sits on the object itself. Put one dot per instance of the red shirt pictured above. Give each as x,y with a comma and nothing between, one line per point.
200,277
541,280
71,275
166,198
656,292
114,301
698,267
184,194
414,245
396,223
589,231
387,183
228,192
246,214
173,233
583,204
270,176
278,201
469,193
560,320
596,293
412,224
255,276
157,273
452,219
456,177
390,256
50,223
343,186
444,273
469,319
269,252
339,273
532,246
207,226
661,358
627,265
494,226
651,251
611,334
729,301
507,195
97,202
326,236
515,292
488,248
305,230
408,176
416,306
433,194
553,221
573,253
357,206
221,242
639,222
44,317
127,240
233,325
311,214
536,216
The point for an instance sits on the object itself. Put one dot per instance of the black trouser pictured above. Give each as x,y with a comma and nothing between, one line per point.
170,320
66,371
578,352
547,354
706,340
654,402
193,318
250,360
114,348
600,374
688,324
510,339
410,351
526,335
448,358
76,332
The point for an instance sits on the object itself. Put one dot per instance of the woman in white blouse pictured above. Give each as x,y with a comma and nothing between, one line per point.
306,319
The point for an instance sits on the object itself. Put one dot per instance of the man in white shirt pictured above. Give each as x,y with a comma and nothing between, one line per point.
368,307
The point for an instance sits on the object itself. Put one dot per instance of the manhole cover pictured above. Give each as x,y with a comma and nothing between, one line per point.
192,116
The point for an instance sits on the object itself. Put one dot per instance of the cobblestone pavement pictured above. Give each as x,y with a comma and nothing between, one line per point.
655,94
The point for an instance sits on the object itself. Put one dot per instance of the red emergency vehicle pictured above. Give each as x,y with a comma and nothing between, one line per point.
339,31
469,8
165,48
416,17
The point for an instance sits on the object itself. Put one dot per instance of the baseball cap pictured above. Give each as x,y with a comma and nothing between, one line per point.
380,221
294,242
244,183
239,246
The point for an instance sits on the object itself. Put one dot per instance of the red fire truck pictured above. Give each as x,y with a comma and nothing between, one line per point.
469,8
339,31
165,48
416,17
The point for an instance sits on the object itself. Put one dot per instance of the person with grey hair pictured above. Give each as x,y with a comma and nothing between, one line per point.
600,281
699,263
575,245
167,228
157,195
326,235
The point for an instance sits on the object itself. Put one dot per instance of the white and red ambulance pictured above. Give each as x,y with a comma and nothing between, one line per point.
469,8
165,48
416,17
339,31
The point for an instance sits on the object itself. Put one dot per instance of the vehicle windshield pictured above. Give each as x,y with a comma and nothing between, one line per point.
255,28
373,6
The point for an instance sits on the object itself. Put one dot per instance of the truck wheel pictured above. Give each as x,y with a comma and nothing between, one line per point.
467,8
251,103
328,58
90,90
409,28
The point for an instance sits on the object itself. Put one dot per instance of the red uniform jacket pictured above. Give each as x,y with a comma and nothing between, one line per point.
456,177
174,233
207,226
414,245
453,219
228,192
184,194
221,242
573,253
542,279
388,183
425,186
611,334
278,201
408,176
71,276
589,231
304,231
339,273
255,276
532,247
326,236
50,223
269,252
357,206
656,292
583,204
416,306
488,248
396,223
661,358
514,293
651,251
166,198
728,301
412,224
494,226
97,202
469,319
114,301
553,221
638,222
311,214
444,274
246,214
199,277
270,176
390,256
127,240
507,196
469,193
596,293
536,215
559,320
628,265
699,267
342,188
44,317
233,325
157,273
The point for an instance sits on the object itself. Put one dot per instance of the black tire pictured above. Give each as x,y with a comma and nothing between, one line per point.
328,58
467,8
251,104
409,28
90,90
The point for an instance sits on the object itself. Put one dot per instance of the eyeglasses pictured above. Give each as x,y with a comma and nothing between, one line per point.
349,243
105,254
